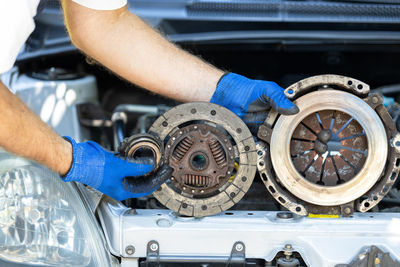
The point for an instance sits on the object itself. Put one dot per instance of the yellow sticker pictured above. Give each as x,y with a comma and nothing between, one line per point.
311,215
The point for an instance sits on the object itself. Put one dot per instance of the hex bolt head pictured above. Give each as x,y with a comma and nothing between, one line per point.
239,247
153,246
375,100
130,250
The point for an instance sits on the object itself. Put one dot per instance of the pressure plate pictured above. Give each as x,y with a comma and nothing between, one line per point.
339,153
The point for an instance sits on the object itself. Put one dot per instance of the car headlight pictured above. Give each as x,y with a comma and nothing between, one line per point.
44,220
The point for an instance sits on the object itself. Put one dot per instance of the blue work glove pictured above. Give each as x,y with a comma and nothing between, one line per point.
112,175
251,99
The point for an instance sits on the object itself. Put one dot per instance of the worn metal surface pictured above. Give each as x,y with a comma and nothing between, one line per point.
355,181
202,158
320,242
143,145
335,149
223,122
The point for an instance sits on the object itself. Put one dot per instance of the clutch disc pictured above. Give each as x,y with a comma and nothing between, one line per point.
336,154
213,155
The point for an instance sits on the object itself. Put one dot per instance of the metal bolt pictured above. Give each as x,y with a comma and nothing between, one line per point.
347,210
288,251
195,127
173,138
284,215
169,146
375,100
180,132
153,247
192,190
263,133
130,250
239,247
202,191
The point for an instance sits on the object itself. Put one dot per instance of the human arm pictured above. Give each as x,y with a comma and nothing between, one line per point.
23,133
127,46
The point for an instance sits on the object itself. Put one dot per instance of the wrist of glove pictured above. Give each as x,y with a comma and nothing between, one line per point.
112,175
251,99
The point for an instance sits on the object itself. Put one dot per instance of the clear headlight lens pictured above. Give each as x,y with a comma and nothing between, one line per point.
44,220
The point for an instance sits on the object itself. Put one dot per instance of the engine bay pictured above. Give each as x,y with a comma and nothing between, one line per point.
344,153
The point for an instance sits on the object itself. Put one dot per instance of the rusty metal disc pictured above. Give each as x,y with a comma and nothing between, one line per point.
203,138
202,158
333,151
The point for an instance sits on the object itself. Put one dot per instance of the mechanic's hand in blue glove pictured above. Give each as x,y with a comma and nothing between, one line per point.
100,169
251,99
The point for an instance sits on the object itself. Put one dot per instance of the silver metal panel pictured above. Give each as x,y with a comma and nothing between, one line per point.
320,241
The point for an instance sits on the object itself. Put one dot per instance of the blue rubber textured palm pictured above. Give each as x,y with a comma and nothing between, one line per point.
251,99
94,166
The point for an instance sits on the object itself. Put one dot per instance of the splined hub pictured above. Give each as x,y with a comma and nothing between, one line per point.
202,158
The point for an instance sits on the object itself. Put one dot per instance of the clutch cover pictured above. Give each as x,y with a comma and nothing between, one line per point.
338,154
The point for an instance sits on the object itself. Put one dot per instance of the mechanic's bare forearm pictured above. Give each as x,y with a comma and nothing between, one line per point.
126,45
24,134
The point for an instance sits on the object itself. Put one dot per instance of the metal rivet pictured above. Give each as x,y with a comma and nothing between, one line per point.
213,112
375,100
193,111
239,247
232,194
238,130
153,247
244,179
130,250
246,148
184,205
204,207
165,124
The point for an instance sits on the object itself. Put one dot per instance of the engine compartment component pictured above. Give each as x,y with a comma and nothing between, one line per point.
337,155
213,155
143,146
